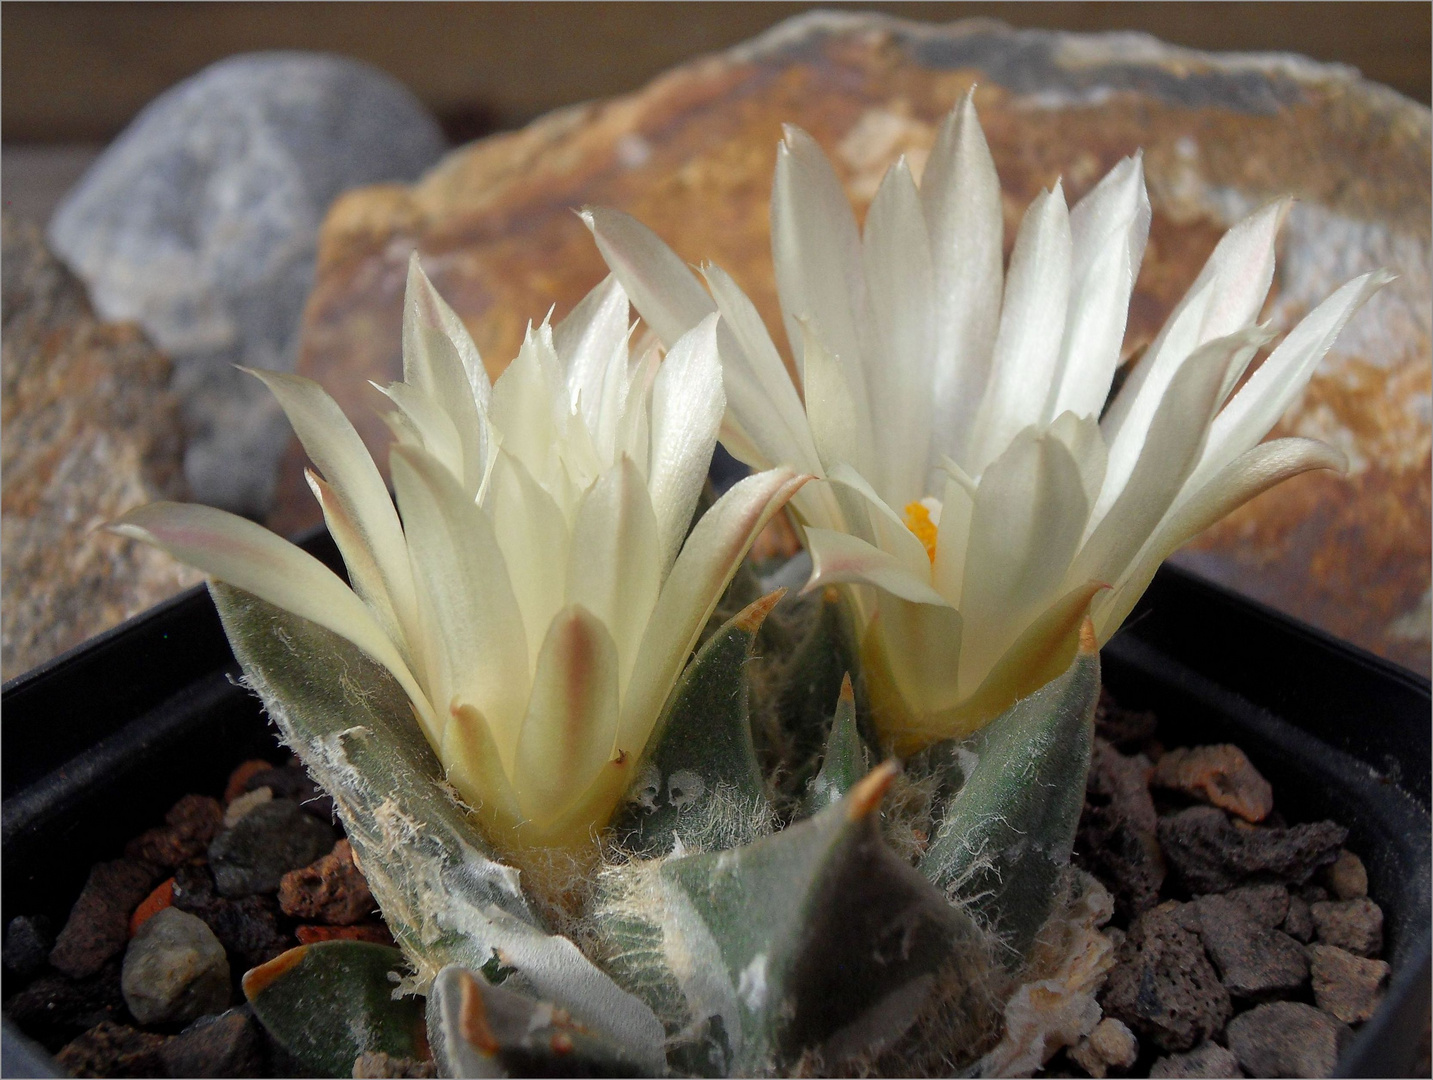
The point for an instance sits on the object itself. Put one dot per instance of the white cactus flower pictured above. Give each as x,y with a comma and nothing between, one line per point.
540,593
978,501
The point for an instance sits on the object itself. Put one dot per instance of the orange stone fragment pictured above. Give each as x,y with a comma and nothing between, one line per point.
151,905
378,935
240,776
1219,775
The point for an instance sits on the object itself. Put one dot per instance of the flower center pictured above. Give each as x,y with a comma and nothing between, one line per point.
918,521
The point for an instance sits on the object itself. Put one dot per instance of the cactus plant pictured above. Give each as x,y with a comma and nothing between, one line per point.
598,858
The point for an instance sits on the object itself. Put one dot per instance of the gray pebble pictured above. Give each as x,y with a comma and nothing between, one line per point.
174,969
1207,1059
1287,1038
1253,960
1350,987
1355,925
230,1044
264,845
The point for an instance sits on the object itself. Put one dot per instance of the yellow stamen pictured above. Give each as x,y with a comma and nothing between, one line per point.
918,521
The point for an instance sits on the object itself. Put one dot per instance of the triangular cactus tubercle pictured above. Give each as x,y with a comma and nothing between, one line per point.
845,760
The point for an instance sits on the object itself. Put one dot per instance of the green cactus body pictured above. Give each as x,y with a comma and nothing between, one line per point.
845,759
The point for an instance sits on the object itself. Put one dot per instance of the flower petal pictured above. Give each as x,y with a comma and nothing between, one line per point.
687,407
249,557
476,636
817,251
706,564
661,287
840,432
921,643
433,424
900,339
614,566
888,529
960,194
591,343
1253,472
527,401
839,559
571,721
953,540
1032,323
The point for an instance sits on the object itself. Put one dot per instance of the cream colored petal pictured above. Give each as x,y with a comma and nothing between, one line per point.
1032,323
434,426
1029,516
571,721
249,557
336,450
922,650
953,540
1081,436
480,642
687,407
900,336
706,564
529,399
838,559
1252,473
471,763
817,251
840,432
661,287
960,193
592,344
888,528
615,566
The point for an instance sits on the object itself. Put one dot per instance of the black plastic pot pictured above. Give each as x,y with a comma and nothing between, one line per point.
99,743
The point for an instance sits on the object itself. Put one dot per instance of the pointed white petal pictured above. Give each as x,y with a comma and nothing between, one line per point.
900,340
433,425
1029,516
528,400
592,342
533,536
1081,436
615,565
687,407
480,647
1252,473
571,721
840,432
953,540
921,643
661,287
888,528
960,193
249,557
706,564
816,249
336,450
474,767
1171,450
838,559
1032,325
1279,380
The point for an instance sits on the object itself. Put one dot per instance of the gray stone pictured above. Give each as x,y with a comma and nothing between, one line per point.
174,969
1350,987
265,844
1355,925
1208,1059
28,940
1210,855
1287,1038
200,223
1267,905
229,1044
1299,922
1254,961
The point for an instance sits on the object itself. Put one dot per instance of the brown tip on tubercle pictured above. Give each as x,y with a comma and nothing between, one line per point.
257,980
473,1017
755,613
869,792
847,693
1089,642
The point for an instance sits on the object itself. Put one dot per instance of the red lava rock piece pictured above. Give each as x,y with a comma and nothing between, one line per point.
1253,960
1117,839
1220,775
189,826
55,1008
1287,1038
331,890
1211,855
98,926
374,932
151,905
1355,925
1208,1059
1350,987
1267,905
110,1049
1163,986
239,778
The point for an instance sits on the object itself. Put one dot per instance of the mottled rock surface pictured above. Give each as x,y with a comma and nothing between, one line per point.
229,1044
269,841
110,1049
1253,960
1208,1059
331,890
1220,775
188,827
692,155
88,430
199,223
174,970
98,925
1355,925
1346,986
1287,1038
1210,855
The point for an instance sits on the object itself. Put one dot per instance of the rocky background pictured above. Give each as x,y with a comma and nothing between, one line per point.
231,223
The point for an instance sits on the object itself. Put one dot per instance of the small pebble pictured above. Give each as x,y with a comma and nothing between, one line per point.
1347,878
28,941
1267,905
175,969
1287,1038
293,782
110,1049
248,928
1211,855
1355,925
331,890
376,1065
1220,775
1253,960
189,826
242,804
229,1044
1350,987
268,842
157,901
98,926
1206,1060
239,778
1110,1044
1299,922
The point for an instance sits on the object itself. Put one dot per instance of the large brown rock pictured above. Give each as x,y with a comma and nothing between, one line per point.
692,155
88,430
